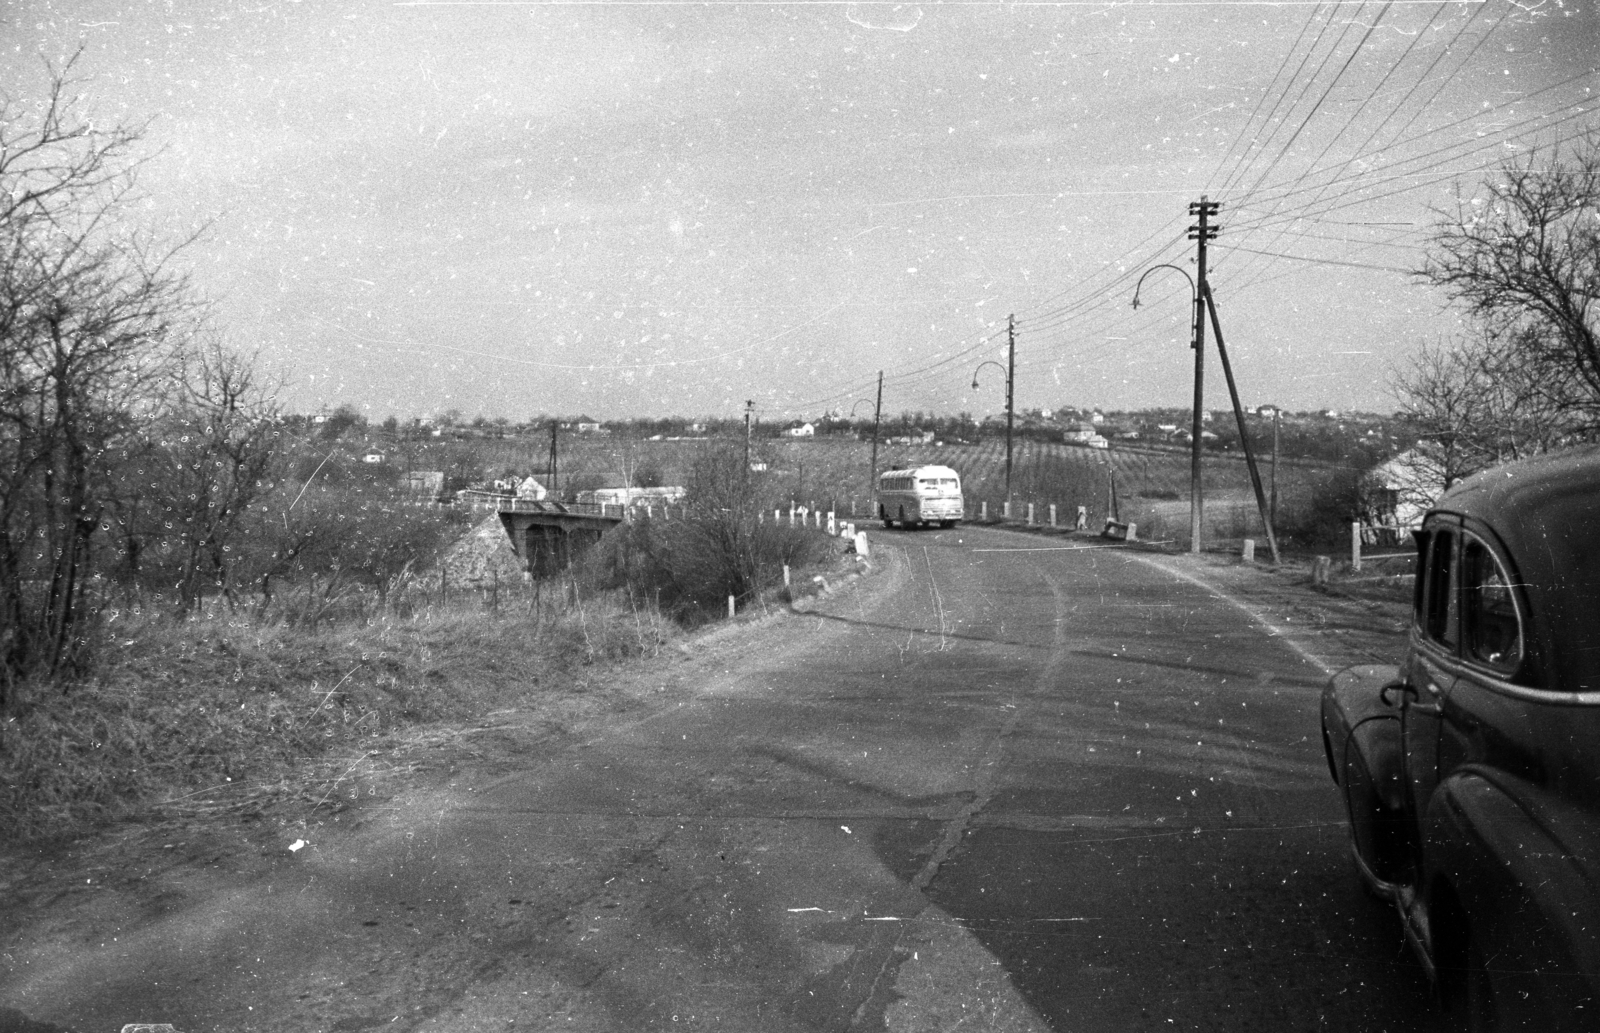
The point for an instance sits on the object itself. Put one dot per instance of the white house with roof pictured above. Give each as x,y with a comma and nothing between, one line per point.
1401,491
1083,433
800,430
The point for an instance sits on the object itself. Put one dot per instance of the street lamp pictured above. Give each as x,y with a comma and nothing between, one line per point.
1196,342
1007,372
1010,369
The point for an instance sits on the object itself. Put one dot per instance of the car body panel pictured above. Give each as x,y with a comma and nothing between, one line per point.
1471,773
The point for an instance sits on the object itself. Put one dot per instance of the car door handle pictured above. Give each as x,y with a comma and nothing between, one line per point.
1409,697
1401,687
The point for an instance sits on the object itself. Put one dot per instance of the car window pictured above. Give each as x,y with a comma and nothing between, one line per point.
1492,627
1439,600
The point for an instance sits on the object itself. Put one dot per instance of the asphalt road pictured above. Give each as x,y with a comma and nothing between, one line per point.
1007,783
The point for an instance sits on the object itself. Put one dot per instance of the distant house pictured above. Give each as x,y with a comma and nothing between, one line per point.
1084,434
531,489
1097,417
583,425
800,430
372,457
1399,492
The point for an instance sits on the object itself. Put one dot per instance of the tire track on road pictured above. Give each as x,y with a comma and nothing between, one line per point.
989,764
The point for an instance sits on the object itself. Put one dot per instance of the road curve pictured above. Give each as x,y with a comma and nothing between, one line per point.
1006,783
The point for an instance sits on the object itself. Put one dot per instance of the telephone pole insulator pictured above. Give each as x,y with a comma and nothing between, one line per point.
1204,210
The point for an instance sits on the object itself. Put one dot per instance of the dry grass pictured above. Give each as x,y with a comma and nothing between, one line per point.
226,712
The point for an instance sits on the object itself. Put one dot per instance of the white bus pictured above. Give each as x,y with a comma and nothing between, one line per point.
920,496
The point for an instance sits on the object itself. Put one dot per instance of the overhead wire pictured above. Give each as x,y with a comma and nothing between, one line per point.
1361,148
1243,167
1282,64
1043,325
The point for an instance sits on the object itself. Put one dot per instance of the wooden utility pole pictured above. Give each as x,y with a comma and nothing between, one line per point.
1011,381
554,426
749,410
1199,233
877,418
1272,506
1244,432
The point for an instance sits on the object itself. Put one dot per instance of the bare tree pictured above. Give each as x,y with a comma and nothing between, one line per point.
221,448
90,315
1525,260
1476,403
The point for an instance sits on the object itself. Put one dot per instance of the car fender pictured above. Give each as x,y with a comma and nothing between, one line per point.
1357,722
1489,847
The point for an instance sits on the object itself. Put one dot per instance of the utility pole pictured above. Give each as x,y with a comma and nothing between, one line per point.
749,410
1200,233
554,425
1244,432
1011,381
877,417
1272,508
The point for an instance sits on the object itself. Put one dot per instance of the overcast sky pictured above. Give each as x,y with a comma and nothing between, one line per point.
657,207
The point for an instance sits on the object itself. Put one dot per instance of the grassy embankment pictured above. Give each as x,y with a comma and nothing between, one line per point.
233,710
226,712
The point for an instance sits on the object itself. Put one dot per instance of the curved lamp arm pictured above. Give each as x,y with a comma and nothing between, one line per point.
1164,265
987,362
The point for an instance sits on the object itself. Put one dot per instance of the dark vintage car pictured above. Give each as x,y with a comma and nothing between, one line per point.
1472,772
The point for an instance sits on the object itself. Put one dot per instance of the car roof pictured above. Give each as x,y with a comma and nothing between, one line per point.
1545,512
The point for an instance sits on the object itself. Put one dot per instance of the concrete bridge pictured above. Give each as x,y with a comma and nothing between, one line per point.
547,535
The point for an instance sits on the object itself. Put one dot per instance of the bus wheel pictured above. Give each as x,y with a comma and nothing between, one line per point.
947,524
903,519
